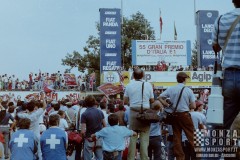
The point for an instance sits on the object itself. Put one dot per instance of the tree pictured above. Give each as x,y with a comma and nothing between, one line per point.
194,55
75,60
135,28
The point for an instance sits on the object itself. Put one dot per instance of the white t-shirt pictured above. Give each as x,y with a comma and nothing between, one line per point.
5,79
63,108
53,112
134,92
34,117
76,108
63,124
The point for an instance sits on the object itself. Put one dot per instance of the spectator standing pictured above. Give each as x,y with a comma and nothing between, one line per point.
120,113
5,128
5,82
63,106
182,121
55,107
70,115
42,81
36,79
54,140
133,96
1,82
78,148
13,82
34,116
110,110
92,120
170,143
113,138
155,138
103,106
202,112
1,146
231,65
23,143
30,81
63,123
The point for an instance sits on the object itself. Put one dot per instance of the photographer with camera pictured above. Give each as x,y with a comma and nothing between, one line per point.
182,117
135,96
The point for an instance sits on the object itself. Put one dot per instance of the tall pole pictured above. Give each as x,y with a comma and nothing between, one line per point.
195,16
122,11
160,23
122,33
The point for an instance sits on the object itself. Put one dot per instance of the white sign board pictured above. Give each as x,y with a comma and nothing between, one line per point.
152,52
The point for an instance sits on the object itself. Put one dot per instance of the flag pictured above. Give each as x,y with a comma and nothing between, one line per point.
121,78
161,23
70,79
109,89
175,32
47,88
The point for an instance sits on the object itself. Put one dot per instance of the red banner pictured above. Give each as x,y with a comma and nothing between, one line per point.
110,89
70,79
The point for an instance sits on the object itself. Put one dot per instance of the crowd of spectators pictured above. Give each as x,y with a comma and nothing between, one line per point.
37,82
164,67
68,109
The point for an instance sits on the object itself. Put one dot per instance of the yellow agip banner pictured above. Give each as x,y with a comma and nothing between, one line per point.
198,79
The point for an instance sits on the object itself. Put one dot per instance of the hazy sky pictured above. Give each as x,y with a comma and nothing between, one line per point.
37,34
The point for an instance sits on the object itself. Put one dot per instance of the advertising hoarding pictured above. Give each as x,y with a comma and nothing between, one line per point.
110,39
152,52
198,79
205,25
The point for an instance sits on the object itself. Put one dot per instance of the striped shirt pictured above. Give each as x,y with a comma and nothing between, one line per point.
232,52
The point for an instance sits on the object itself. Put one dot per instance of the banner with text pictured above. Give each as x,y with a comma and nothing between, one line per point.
110,39
205,25
153,52
28,95
198,79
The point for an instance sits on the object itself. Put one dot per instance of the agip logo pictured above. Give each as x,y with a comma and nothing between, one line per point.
201,77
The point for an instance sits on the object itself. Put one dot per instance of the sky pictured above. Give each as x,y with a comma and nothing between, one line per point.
36,34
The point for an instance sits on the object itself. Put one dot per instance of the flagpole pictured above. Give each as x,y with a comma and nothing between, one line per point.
122,11
174,37
122,33
159,22
195,18
175,32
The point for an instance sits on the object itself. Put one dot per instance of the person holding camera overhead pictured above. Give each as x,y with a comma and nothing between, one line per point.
183,120
133,97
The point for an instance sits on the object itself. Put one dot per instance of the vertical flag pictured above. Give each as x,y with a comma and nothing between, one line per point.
175,32
160,21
